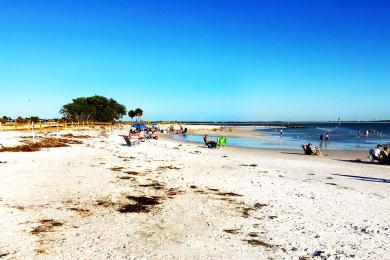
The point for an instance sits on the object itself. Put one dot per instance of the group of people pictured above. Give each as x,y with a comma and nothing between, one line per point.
369,132
324,137
380,155
148,133
180,131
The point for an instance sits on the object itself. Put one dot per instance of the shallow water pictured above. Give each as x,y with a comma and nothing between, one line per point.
343,137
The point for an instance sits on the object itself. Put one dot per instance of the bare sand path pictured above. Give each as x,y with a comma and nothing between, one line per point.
164,199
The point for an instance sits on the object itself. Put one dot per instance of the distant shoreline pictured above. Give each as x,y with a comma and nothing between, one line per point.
276,122
266,139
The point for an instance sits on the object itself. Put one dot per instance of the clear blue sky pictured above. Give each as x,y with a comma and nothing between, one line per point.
199,60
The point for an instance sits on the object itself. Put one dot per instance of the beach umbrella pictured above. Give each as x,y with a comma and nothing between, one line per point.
139,126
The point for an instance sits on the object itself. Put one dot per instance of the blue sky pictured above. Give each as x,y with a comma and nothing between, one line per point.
199,60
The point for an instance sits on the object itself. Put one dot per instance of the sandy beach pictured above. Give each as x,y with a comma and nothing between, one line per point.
163,199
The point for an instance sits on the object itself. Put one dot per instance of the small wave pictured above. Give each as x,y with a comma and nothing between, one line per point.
324,129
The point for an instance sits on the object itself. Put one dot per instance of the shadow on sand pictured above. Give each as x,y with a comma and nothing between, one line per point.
360,161
297,153
363,178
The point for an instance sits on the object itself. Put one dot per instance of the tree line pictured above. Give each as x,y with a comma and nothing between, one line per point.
97,108
19,119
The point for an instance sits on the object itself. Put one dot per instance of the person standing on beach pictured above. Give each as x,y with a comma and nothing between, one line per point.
326,137
281,132
322,137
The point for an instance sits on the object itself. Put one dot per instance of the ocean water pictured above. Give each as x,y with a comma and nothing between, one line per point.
347,136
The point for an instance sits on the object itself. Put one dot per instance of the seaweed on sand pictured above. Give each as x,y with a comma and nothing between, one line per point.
132,173
116,168
169,167
46,225
154,185
172,192
154,200
104,202
75,136
30,146
245,211
3,254
259,205
250,165
126,178
232,231
142,204
82,212
131,208
231,194
257,242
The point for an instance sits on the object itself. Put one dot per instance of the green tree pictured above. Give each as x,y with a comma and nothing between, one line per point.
131,114
4,119
97,108
21,120
34,119
138,113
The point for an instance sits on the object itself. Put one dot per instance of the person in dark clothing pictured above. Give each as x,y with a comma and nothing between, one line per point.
310,149
210,144
384,156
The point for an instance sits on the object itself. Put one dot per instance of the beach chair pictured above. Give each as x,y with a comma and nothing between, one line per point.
137,137
128,141
210,144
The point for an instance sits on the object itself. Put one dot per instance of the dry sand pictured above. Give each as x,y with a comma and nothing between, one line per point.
164,199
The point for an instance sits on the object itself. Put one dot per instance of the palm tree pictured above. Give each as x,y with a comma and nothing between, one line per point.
138,113
131,114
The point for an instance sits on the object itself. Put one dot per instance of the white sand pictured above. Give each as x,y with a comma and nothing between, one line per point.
308,207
